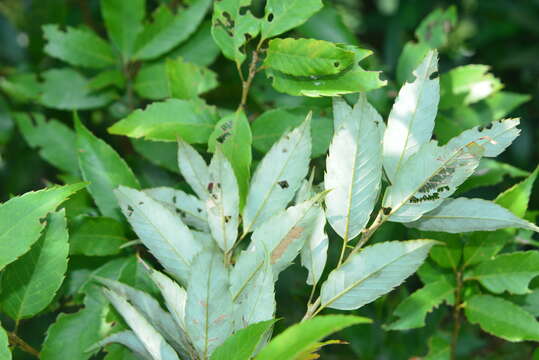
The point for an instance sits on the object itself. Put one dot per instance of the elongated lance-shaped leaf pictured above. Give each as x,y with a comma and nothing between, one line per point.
30,283
507,272
20,217
494,137
161,231
190,208
194,169
411,119
314,251
373,272
414,309
5,352
255,301
128,339
223,204
278,176
149,307
341,111
282,16
154,343
354,170
430,175
465,215
208,311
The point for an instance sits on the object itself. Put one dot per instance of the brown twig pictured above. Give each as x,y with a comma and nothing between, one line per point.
246,84
456,314
21,344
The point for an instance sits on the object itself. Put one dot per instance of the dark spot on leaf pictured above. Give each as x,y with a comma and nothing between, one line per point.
141,203
283,184
285,150
210,187
227,219
434,75
174,199
489,126
129,210
214,196
386,210
221,138
270,17
243,10
336,64
199,210
248,37
218,185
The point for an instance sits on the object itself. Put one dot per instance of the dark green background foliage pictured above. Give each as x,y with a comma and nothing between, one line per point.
503,34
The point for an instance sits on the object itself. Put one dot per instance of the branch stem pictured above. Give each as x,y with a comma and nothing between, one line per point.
21,344
246,83
456,314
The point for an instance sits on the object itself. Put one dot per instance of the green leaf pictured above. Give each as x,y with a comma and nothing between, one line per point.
5,353
507,272
161,231
465,85
435,28
411,120
272,124
243,343
278,176
439,348
123,21
96,236
354,170
104,169
352,80
20,217
78,47
373,272
232,28
160,121
169,30
465,215
30,283
328,24
79,97
490,172
56,141
411,57
128,339
162,154
307,57
21,87
447,256
502,318
414,309
107,79
233,133
209,303
284,15
482,246
199,49
299,338
517,197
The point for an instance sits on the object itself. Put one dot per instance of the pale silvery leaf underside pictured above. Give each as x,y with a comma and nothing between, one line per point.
194,169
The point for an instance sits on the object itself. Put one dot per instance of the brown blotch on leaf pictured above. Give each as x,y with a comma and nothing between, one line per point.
292,235
283,184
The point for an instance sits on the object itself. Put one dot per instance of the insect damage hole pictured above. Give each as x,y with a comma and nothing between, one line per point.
434,75
283,184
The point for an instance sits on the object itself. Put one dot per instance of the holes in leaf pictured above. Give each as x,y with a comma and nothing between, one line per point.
129,210
270,17
433,196
210,187
386,210
221,138
227,219
336,64
243,10
199,210
283,184
438,180
434,75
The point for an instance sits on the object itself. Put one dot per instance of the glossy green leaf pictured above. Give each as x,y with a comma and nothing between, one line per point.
20,219
79,96
5,353
517,197
56,142
373,272
242,345
160,121
79,47
295,340
123,21
233,133
160,153
209,303
104,169
502,318
414,309
96,236
435,28
447,256
412,55
284,15
107,78
168,30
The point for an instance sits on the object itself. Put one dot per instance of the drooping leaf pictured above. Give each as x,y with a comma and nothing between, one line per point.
232,28
168,30
465,215
209,303
128,339
152,340
510,272
79,97
161,231
223,204
233,133
281,15
243,343
278,176
307,57
20,219
200,48
30,283
191,209
96,236
435,28
123,21
373,272
101,165
354,170
55,141
295,340
78,47
163,154
314,252
414,309
5,353
501,318
411,120
161,121
194,170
